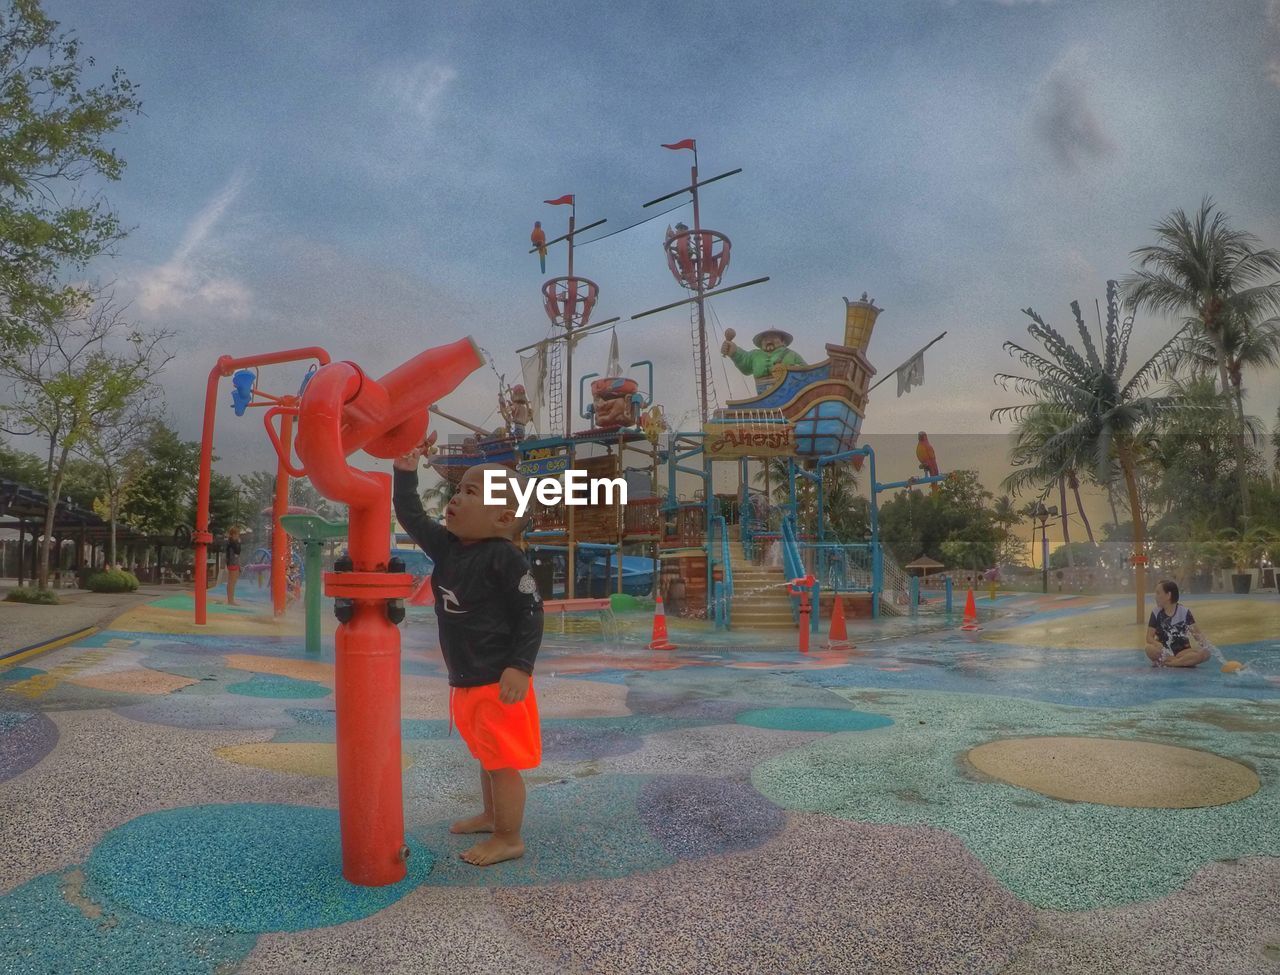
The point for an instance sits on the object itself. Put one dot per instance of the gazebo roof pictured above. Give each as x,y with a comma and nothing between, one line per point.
924,562
24,507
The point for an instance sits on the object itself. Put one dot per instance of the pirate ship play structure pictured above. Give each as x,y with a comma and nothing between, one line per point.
717,546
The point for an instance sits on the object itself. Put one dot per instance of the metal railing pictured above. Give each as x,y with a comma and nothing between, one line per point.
793,562
722,588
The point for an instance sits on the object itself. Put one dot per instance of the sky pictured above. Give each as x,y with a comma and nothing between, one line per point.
365,177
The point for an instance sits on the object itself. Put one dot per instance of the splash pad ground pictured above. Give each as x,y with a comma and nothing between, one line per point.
1032,798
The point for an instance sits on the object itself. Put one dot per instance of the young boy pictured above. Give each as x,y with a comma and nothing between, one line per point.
1168,643
490,618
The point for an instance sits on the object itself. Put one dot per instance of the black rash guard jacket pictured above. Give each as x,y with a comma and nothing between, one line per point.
487,604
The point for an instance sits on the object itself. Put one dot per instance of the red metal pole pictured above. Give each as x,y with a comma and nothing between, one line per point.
280,506
343,411
801,588
201,536
225,366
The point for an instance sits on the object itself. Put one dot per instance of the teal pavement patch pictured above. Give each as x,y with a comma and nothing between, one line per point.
813,719
19,673
271,685
250,867
49,927
1049,852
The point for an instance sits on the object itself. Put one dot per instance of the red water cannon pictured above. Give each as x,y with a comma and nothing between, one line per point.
343,410
801,588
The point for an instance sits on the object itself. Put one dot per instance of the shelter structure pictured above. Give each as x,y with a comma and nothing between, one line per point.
23,509
923,566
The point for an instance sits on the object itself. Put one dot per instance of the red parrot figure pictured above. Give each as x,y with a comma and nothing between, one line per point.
539,240
928,459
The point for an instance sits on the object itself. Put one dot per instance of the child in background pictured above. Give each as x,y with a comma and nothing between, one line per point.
490,618
1170,629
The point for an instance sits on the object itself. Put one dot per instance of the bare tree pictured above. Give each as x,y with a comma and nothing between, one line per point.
115,446
82,367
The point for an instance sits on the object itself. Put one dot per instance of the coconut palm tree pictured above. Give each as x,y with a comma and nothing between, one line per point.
839,491
1212,275
1247,344
1085,414
1007,516
1028,455
1275,445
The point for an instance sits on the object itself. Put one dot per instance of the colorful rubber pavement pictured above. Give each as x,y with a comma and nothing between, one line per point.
1030,798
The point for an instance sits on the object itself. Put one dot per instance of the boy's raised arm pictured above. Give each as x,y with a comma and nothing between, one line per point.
431,536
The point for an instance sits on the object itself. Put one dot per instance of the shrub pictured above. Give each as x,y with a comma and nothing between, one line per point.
115,580
40,597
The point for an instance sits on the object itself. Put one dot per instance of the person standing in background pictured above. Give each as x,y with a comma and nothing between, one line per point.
233,563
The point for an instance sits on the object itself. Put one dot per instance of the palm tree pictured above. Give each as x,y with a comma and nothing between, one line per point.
839,493
1210,273
1007,516
1086,416
1028,456
438,495
1252,344
1275,445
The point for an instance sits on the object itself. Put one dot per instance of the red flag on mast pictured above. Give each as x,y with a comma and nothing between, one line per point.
683,144
566,199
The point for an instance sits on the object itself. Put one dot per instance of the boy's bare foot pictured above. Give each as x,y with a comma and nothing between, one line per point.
493,850
479,823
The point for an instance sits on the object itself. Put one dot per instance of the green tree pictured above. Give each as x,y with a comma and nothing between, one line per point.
114,446
1076,553
1275,449
52,132
1096,417
1006,515
1216,277
164,492
18,465
226,504
1194,459
79,368
259,495
955,526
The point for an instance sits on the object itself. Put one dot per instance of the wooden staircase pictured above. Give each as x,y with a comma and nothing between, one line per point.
769,609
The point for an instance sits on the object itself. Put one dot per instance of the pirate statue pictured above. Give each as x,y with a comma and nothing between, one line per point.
516,411
767,361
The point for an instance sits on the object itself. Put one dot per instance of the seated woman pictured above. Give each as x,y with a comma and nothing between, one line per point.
1170,629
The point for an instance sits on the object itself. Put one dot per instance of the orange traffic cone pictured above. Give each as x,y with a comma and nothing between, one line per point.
660,641
838,638
970,613
423,596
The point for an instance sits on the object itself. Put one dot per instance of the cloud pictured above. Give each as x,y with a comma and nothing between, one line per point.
1064,118
190,280
1273,34
418,89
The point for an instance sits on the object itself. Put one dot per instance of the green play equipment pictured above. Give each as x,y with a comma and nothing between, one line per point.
313,531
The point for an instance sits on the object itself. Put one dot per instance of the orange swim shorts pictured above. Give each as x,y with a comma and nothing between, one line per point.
498,735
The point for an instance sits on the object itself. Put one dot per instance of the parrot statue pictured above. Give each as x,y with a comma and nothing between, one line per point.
539,240
928,459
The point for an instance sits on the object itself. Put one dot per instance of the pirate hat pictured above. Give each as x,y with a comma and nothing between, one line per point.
759,339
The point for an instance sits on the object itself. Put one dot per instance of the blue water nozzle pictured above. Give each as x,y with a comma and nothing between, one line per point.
242,390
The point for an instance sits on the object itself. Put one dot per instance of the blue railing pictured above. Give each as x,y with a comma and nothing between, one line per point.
722,589
793,564
843,567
